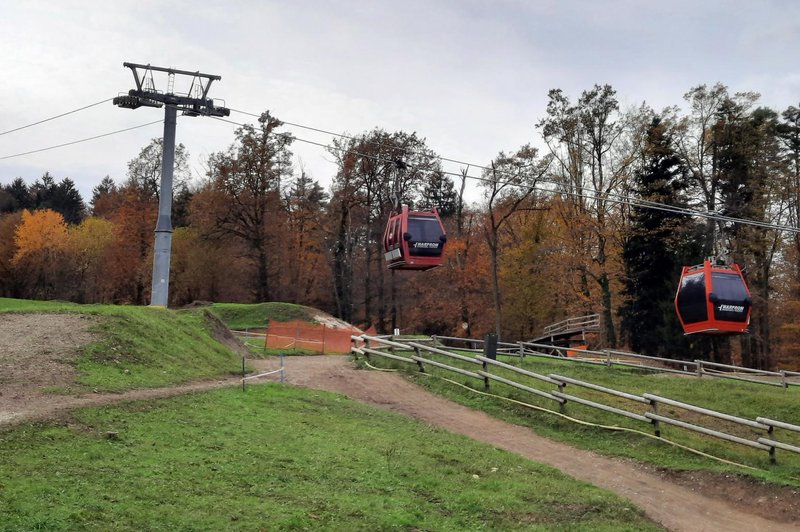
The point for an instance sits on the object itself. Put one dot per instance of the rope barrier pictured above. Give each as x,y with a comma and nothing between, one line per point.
608,427
262,374
383,369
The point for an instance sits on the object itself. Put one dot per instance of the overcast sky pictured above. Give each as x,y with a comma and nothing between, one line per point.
469,76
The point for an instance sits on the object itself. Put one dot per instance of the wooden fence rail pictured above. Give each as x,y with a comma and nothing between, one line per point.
700,368
684,363
654,418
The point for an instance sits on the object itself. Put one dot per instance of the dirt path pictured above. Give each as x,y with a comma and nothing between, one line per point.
676,507
48,406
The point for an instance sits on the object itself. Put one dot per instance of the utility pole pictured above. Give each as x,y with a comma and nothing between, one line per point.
194,102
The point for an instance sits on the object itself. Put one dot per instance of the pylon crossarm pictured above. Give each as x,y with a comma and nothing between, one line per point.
146,95
134,66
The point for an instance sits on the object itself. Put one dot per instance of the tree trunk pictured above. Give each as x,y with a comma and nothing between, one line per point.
747,349
496,288
262,288
382,289
584,289
610,334
368,314
342,272
766,361
294,274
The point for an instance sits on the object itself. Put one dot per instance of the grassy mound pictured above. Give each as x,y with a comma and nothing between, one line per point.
244,316
141,347
278,458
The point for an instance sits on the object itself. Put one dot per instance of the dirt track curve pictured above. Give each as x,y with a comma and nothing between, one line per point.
674,506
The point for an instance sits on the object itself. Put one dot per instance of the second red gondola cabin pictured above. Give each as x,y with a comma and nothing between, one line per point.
713,299
414,240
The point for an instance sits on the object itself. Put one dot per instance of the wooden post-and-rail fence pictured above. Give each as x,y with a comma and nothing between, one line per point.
368,346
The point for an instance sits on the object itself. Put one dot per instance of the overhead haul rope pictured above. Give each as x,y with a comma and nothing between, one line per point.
371,142
54,117
580,421
80,140
611,198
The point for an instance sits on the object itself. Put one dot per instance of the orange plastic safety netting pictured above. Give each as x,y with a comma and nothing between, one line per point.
309,336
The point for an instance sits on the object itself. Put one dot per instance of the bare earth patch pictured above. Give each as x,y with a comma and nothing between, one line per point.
37,351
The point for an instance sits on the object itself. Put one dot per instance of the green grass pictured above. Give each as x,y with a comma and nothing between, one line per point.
244,316
731,397
29,305
140,347
279,458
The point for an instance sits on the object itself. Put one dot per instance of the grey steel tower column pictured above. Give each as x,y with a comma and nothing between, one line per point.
159,295
195,102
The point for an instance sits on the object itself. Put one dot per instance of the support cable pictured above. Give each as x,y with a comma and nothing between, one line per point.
80,140
351,137
54,117
611,198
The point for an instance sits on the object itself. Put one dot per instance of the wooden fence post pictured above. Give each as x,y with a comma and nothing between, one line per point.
770,430
490,346
656,426
489,351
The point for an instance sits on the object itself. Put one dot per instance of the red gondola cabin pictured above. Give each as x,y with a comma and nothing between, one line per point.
414,240
713,299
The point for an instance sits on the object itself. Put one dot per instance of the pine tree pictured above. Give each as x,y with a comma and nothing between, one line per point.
67,200
21,194
655,249
439,191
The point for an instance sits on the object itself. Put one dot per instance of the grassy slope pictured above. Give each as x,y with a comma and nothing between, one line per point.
244,316
141,347
280,458
159,347
731,397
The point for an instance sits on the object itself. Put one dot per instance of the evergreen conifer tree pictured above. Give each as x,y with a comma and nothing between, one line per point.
656,246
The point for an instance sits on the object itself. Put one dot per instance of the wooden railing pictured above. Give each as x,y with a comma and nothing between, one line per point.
589,322
768,442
